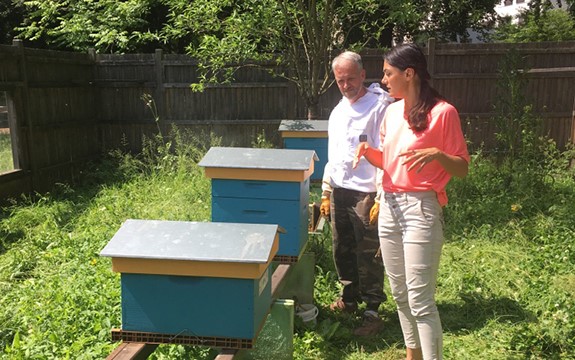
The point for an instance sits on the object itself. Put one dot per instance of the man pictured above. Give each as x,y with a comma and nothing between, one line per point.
348,195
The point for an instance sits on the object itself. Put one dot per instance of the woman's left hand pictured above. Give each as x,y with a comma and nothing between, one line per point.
419,158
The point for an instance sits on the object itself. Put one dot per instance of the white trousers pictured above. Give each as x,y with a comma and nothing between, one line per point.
411,237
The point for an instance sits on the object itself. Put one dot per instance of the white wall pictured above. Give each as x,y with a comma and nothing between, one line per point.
510,10
514,8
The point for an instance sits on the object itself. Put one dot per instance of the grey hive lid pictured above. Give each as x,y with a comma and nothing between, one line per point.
303,125
192,241
255,158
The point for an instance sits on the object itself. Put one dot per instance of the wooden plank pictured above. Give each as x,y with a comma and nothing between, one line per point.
431,46
132,351
9,85
570,70
186,85
226,354
277,278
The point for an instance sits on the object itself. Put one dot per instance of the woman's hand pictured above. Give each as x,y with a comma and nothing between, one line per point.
420,157
373,156
360,151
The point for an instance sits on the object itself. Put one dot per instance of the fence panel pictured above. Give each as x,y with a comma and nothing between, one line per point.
69,107
468,75
54,119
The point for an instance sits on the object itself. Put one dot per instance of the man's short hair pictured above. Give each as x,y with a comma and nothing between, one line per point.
350,56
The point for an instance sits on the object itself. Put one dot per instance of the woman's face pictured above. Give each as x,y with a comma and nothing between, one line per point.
395,80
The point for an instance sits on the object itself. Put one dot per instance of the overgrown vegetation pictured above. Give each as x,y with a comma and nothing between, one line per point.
506,288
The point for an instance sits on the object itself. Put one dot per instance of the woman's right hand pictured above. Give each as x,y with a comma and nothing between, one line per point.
359,153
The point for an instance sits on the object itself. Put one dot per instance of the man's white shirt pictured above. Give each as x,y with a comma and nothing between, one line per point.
347,122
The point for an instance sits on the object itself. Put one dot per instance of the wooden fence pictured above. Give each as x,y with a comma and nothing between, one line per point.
468,74
66,108
51,115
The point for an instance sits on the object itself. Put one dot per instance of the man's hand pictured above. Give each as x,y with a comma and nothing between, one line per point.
374,213
324,207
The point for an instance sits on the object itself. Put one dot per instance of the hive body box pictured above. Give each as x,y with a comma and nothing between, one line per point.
307,135
263,186
208,281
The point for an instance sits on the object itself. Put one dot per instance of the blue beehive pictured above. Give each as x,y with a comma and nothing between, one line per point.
307,135
263,186
208,282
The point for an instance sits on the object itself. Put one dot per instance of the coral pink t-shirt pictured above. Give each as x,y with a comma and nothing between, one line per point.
444,132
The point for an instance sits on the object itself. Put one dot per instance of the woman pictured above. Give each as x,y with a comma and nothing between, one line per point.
421,147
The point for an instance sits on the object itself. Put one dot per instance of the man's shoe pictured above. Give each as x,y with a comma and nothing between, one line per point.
371,324
346,307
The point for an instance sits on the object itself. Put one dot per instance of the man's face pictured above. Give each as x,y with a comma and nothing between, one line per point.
349,79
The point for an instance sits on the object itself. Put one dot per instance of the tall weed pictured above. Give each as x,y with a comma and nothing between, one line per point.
510,234
505,287
58,297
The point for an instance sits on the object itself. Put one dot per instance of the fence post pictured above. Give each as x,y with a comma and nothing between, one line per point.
92,54
573,123
21,118
159,96
431,58
293,100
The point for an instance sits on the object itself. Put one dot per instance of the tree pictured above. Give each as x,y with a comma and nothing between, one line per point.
569,6
303,35
445,20
539,22
11,14
105,25
299,37
540,6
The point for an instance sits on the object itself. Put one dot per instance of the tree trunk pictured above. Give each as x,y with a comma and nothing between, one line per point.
312,110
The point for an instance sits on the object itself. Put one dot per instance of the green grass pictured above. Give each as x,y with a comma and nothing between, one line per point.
506,285
6,162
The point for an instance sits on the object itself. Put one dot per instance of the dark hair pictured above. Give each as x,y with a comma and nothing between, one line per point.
410,56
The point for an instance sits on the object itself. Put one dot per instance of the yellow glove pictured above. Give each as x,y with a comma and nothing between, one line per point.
374,213
324,207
